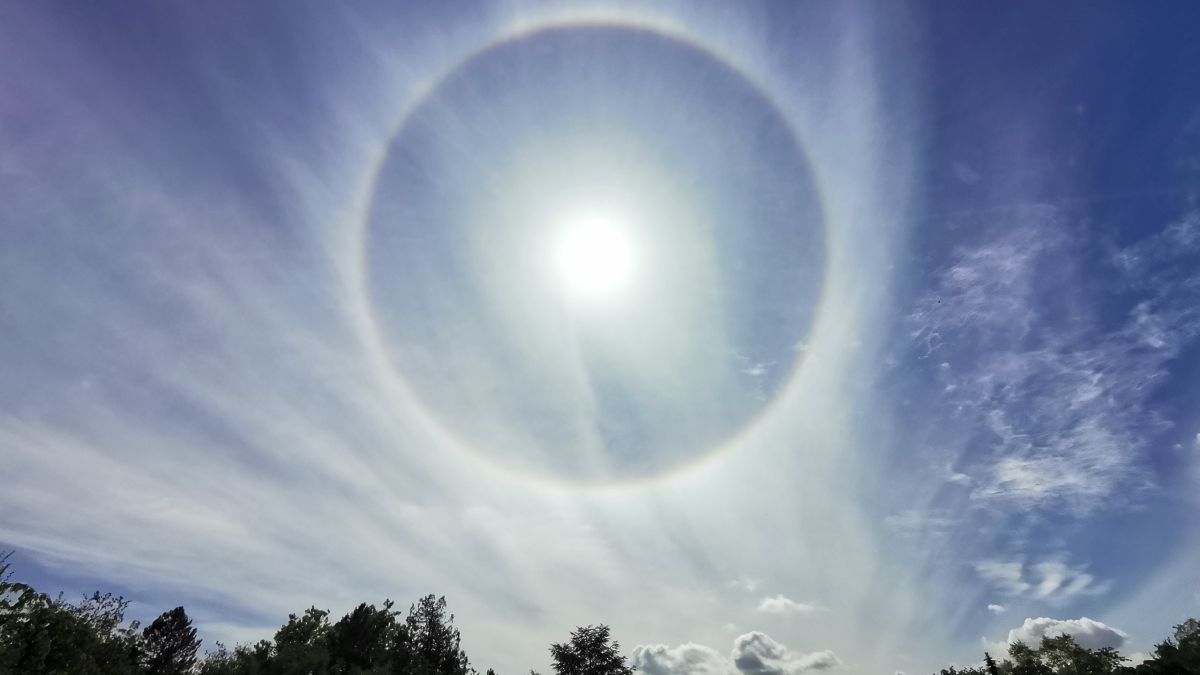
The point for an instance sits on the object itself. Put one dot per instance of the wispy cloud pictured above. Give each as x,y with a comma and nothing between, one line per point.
746,584
785,606
1051,581
1061,391
996,609
919,523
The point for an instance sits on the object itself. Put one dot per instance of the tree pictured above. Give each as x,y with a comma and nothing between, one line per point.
990,664
169,644
1178,655
363,640
1059,655
434,642
591,651
43,635
302,644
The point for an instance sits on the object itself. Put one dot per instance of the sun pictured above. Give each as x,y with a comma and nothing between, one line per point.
594,256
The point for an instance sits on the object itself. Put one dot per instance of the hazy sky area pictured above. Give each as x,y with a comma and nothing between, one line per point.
781,337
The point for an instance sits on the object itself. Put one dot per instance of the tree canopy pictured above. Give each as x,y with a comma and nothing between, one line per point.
43,635
1062,655
590,651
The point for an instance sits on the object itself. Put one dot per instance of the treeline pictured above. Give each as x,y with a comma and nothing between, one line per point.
1062,655
43,635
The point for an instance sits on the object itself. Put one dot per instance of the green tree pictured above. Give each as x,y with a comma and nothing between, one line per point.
257,659
1059,655
990,664
43,635
434,643
302,644
591,651
170,644
1177,655
364,640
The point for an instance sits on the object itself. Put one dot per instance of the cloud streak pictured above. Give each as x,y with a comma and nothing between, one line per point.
784,606
1051,581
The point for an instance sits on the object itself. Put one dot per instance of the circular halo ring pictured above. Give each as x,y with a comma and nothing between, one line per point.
372,335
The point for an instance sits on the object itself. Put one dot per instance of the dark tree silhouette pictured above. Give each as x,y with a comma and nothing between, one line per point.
40,635
1059,655
591,651
301,645
1177,655
169,644
435,642
990,664
364,639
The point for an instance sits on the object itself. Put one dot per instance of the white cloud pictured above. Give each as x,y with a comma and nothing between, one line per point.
1087,632
783,605
921,523
746,584
1051,581
1007,577
757,653
753,653
686,659
997,609
1064,395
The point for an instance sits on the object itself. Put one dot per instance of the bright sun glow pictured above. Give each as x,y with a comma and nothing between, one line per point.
594,256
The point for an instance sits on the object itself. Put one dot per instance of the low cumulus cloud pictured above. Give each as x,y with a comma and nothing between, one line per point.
785,606
686,659
997,609
753,653
1087,632
757,653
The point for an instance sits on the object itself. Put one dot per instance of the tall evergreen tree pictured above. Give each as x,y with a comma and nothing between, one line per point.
170,644
433,639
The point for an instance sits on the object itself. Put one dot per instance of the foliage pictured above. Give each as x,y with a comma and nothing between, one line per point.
1177,655
435,642
40,635
591,651
368,640
169,644
1061,655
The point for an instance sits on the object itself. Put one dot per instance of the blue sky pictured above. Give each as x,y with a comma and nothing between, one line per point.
781,337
